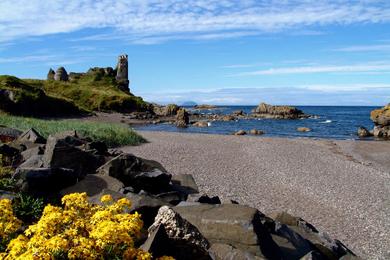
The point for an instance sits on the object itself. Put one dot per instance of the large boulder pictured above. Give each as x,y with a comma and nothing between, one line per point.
32,136
279,112
182,118
298,231
94,184
63,153
139,173
381,116
237,225
168,110
173,235
184,184
363,132
220,251
43,181
8,134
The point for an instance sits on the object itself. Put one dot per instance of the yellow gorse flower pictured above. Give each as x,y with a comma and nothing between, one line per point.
78,230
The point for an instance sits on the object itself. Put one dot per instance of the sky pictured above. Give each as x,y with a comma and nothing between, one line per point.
220,52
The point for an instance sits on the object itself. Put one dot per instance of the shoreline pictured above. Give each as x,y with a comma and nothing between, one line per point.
339,186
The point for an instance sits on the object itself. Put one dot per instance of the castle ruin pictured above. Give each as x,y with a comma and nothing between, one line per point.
121,73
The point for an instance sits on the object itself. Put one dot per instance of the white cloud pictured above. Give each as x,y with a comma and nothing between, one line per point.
365,48
353,68
153,18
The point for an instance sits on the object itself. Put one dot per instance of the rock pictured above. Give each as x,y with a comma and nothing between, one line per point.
168,110
170,234
99,147
204,107
184,183
35,161
238,113
203,199
201,124
8,134
8,195
182,118
381,116
139,173
228,118
303,129
35,151
320,242
256,132
61,74
237,225
9,154
61,153
220,251
171,197
41,181
32,136
312,255
240,132
144,204
94,184
363,132
50,74
277,112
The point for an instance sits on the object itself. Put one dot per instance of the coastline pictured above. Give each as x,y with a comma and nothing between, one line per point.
339,186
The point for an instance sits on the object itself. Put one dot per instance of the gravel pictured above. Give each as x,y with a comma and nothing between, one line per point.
323,181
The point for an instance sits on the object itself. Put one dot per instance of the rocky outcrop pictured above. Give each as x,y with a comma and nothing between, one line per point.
182,118
61,74
303,129
204,107
256,132
240,132
278,112
363,132
201,124
168,110
381,119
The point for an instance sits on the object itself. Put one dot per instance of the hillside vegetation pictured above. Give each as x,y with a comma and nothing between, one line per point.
86,93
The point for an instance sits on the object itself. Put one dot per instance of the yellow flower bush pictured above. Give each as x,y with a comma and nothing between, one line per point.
78,230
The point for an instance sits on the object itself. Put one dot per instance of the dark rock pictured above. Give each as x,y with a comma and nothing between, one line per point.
363,132
178,237
146,205
238,113
182,118
138,173
203,199
184,183
9,134
278,112
41,181
60,153
236,225
32,136
228,118
98,146
312,255
168,110
171,197
50,74
10,155
38,150
320,242
61,74
94,184
220,251
256,132
240,132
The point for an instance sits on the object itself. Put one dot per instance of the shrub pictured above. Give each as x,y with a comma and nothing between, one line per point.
27,208
78,230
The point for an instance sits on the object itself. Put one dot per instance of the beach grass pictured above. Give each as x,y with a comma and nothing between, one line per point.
113,135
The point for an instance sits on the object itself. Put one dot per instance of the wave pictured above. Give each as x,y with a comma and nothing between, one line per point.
326,122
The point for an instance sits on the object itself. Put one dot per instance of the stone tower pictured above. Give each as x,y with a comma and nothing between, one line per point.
122,73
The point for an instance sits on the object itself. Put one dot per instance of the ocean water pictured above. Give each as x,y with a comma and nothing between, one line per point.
334,122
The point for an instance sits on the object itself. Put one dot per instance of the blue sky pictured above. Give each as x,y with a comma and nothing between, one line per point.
219,52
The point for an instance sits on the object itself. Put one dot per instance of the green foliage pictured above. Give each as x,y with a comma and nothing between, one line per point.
27,208
6,182
112,134
28,99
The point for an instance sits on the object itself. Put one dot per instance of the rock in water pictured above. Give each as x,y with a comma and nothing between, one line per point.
256,132
381,118
182,118
363,132
201,124
279,112
303,129
61,74
240,132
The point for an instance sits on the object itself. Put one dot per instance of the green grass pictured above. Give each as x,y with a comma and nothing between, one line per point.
112,134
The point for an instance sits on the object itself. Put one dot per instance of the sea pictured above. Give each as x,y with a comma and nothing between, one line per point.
326,122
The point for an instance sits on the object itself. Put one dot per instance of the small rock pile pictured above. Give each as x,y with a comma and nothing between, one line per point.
180,222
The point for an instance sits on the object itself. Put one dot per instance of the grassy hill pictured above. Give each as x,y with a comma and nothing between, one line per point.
86,92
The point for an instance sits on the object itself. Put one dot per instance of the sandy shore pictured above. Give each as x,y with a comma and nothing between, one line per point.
342,187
